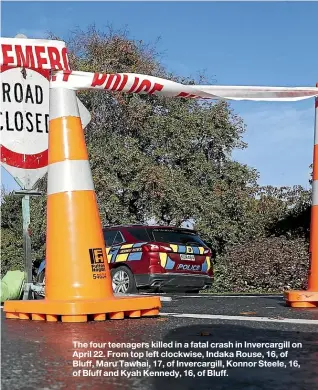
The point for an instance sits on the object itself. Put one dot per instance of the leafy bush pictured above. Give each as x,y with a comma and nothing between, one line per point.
272,264
12,252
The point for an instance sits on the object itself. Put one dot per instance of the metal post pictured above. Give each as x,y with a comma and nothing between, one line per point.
27,245
27,294
26,237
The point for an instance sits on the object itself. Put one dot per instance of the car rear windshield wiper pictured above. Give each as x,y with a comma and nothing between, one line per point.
192,242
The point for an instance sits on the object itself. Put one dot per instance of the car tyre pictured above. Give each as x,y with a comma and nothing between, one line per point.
40,278
123,280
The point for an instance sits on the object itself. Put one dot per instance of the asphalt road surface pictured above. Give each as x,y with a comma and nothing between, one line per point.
38,355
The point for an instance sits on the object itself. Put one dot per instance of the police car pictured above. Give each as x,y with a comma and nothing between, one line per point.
155,258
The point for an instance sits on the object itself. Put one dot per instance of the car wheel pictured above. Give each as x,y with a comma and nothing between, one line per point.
123,280
40,278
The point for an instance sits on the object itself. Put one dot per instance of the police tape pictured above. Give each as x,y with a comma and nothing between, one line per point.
52,54
151,85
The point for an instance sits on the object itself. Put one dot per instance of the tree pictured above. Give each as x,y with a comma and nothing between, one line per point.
160,158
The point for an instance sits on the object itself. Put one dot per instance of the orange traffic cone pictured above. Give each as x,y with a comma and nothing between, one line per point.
78,282
309,298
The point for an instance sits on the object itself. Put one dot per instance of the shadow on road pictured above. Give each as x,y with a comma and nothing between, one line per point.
38,355
289,378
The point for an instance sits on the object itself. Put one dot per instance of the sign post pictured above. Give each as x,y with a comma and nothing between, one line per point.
27,239
27,243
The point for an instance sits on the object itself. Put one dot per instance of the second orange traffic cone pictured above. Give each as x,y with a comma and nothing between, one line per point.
78,281
309,297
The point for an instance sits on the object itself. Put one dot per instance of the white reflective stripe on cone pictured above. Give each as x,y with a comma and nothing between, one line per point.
69,175
63,103
315,193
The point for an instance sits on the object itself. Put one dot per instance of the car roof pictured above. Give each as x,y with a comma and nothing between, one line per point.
139,226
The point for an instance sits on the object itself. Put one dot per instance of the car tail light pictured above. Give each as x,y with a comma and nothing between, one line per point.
150,248
156,248
164,248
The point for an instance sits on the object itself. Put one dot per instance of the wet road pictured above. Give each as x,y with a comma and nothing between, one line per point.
37,355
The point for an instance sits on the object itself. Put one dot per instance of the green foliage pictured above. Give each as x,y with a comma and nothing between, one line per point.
11,234
38,228
272,264
12,252
169,160
159,158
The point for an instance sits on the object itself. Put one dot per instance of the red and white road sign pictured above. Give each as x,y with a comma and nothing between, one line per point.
34,53
24,123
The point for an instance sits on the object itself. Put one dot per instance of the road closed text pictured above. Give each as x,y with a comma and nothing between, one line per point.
23,97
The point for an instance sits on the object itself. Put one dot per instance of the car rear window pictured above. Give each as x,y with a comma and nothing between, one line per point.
176,237
139,234
113,237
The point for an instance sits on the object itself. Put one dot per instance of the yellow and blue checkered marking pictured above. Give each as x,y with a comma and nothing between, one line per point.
125,252
190,250
207,264
133,252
